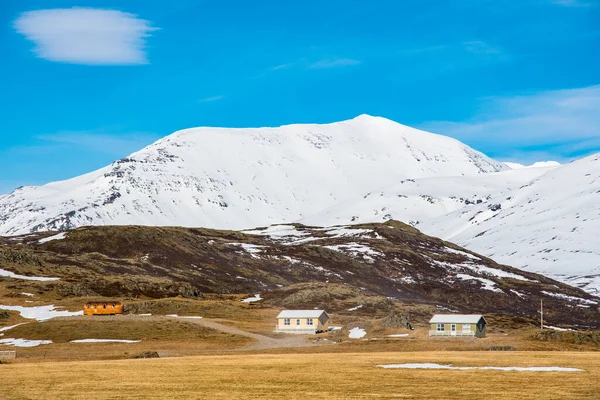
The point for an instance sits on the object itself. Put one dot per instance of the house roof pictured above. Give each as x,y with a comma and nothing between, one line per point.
456,318
301,314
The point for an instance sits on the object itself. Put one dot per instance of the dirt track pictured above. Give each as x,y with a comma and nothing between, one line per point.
261,341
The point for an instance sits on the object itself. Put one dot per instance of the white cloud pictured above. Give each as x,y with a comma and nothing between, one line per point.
211,99
573,3
86,35
560,123
113,144
333,63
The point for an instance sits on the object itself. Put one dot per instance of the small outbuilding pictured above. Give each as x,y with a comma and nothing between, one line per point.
109,307
302,321
457,325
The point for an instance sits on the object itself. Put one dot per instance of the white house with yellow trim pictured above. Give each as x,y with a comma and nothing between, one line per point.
457,325
302,321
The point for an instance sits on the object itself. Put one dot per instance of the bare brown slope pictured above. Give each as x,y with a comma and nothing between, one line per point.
298,266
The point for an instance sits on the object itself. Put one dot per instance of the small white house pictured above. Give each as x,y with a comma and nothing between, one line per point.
302,321
457,325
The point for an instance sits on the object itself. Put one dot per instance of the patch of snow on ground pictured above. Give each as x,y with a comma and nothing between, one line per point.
346,232
398,335
23,342
6,328
569,298
60,236
252,299
104,341
355,249
144,315
27,294
449,366
480,269
462,253
179,316
556,328
248,247
487,284
41,313
355,308
357,333
9,274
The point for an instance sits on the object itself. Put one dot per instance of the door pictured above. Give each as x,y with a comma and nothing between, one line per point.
453,330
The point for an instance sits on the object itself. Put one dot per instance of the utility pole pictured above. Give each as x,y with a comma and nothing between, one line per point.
542,314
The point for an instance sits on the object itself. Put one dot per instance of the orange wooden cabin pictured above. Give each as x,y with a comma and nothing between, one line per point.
103,308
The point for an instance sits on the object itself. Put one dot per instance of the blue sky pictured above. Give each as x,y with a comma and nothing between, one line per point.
80,87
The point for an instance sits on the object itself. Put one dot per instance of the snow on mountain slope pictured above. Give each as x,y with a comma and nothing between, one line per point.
414,200
539,164
240,178
548,226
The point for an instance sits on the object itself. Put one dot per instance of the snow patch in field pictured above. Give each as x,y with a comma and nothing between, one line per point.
249,248
6,328
356,249
357,333
187,317
41,313
355,308
23,342
27,294
398,335
8,274
450,366
569,298
256,297
556,328
346,232
104,341
462,253
487,284
60,236
144,315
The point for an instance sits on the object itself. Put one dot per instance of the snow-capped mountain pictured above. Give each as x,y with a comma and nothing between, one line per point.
240,178
549,225
415,200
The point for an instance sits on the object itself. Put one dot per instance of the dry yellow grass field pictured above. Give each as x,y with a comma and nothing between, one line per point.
294,376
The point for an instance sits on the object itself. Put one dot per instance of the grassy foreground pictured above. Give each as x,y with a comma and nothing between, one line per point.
334,376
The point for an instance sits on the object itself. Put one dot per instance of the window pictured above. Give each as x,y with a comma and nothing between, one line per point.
298,322
95,305
466,327
113,306
440,327
104,305
309,321
286,321
453,327
89,306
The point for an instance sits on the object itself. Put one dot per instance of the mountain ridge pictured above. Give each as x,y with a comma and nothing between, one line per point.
242,177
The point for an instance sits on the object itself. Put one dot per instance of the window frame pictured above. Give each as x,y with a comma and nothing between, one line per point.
442,326
309,321
287,322
297,321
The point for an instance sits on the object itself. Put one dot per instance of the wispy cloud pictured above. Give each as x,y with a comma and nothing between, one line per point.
573,3
86,35
211,99
333,63
561,123
281,66
112,144
480,47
